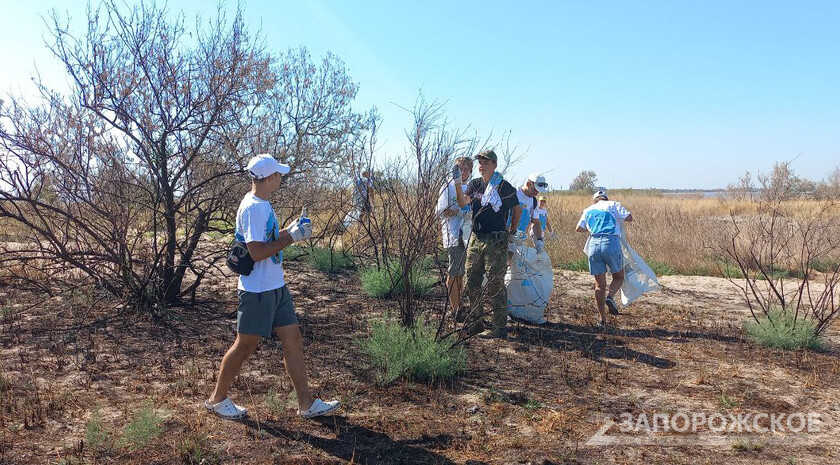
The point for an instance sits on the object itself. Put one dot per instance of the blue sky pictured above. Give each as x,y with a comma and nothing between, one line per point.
670,94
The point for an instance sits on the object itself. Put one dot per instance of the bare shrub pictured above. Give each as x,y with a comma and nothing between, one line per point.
403,228
778,251
743,189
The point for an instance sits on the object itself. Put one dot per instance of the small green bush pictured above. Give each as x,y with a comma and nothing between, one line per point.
725,402
8,314
146,425
386,282
728,270
96,437
293,252
702,270
273,402
328,260
780,331
824,265
411,353
197,449
661,269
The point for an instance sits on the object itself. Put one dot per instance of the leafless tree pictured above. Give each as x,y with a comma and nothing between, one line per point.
118,181
403,225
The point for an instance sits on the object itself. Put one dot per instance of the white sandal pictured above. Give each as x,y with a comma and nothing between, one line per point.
226,409
318,408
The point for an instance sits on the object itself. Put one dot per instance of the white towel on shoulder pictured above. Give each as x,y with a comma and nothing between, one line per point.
491,193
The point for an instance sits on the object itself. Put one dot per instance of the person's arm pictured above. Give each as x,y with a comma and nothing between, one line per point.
538,232
443,207
516,214
581,225
462,197
262,250
623,213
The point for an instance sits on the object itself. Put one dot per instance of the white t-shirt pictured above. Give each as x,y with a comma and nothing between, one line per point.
542,215
603,218
528,210
257,222
452,226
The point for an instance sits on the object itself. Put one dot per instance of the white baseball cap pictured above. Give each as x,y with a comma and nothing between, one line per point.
600,193
539,182
264,165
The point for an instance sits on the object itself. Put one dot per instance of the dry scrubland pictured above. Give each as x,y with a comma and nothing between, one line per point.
80,383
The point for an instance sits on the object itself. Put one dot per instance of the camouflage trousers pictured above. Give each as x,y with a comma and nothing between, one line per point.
488,253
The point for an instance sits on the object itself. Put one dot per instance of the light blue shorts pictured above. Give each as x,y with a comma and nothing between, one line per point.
605,252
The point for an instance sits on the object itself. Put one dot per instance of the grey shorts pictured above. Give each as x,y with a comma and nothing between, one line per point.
457,260
261,312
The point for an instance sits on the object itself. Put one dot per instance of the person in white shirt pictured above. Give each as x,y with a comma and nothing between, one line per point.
455,223
265,305
603,220
527,197
541,213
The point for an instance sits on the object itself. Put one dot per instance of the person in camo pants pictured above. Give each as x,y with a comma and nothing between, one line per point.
493,202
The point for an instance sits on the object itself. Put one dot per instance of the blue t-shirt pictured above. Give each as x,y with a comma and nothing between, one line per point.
603,218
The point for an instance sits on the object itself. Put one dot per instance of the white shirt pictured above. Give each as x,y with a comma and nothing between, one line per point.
451,226
257,222
604,218
528,210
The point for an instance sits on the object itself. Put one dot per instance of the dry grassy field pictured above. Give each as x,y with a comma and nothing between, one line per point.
82,383
677,234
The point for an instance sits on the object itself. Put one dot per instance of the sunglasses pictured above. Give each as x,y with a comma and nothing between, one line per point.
542,184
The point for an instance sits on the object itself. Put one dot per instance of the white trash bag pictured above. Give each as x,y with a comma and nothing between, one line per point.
529,282
352,217
639,278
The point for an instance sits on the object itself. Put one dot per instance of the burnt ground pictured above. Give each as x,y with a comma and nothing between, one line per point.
537,398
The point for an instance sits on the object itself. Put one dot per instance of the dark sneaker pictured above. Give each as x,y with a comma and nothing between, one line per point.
611,306
604,326
494,334
461,314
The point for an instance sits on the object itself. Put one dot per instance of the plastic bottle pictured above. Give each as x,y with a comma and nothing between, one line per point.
303,216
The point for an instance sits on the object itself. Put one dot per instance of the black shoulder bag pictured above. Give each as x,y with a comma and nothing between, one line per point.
239,260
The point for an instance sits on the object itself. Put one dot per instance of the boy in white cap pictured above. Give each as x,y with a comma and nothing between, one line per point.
527,196
265,305
603,221
542,214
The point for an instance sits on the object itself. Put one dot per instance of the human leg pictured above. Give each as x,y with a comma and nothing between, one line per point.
242,348
600,295
496,267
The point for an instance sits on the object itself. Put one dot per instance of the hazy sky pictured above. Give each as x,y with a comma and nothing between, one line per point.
671,94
